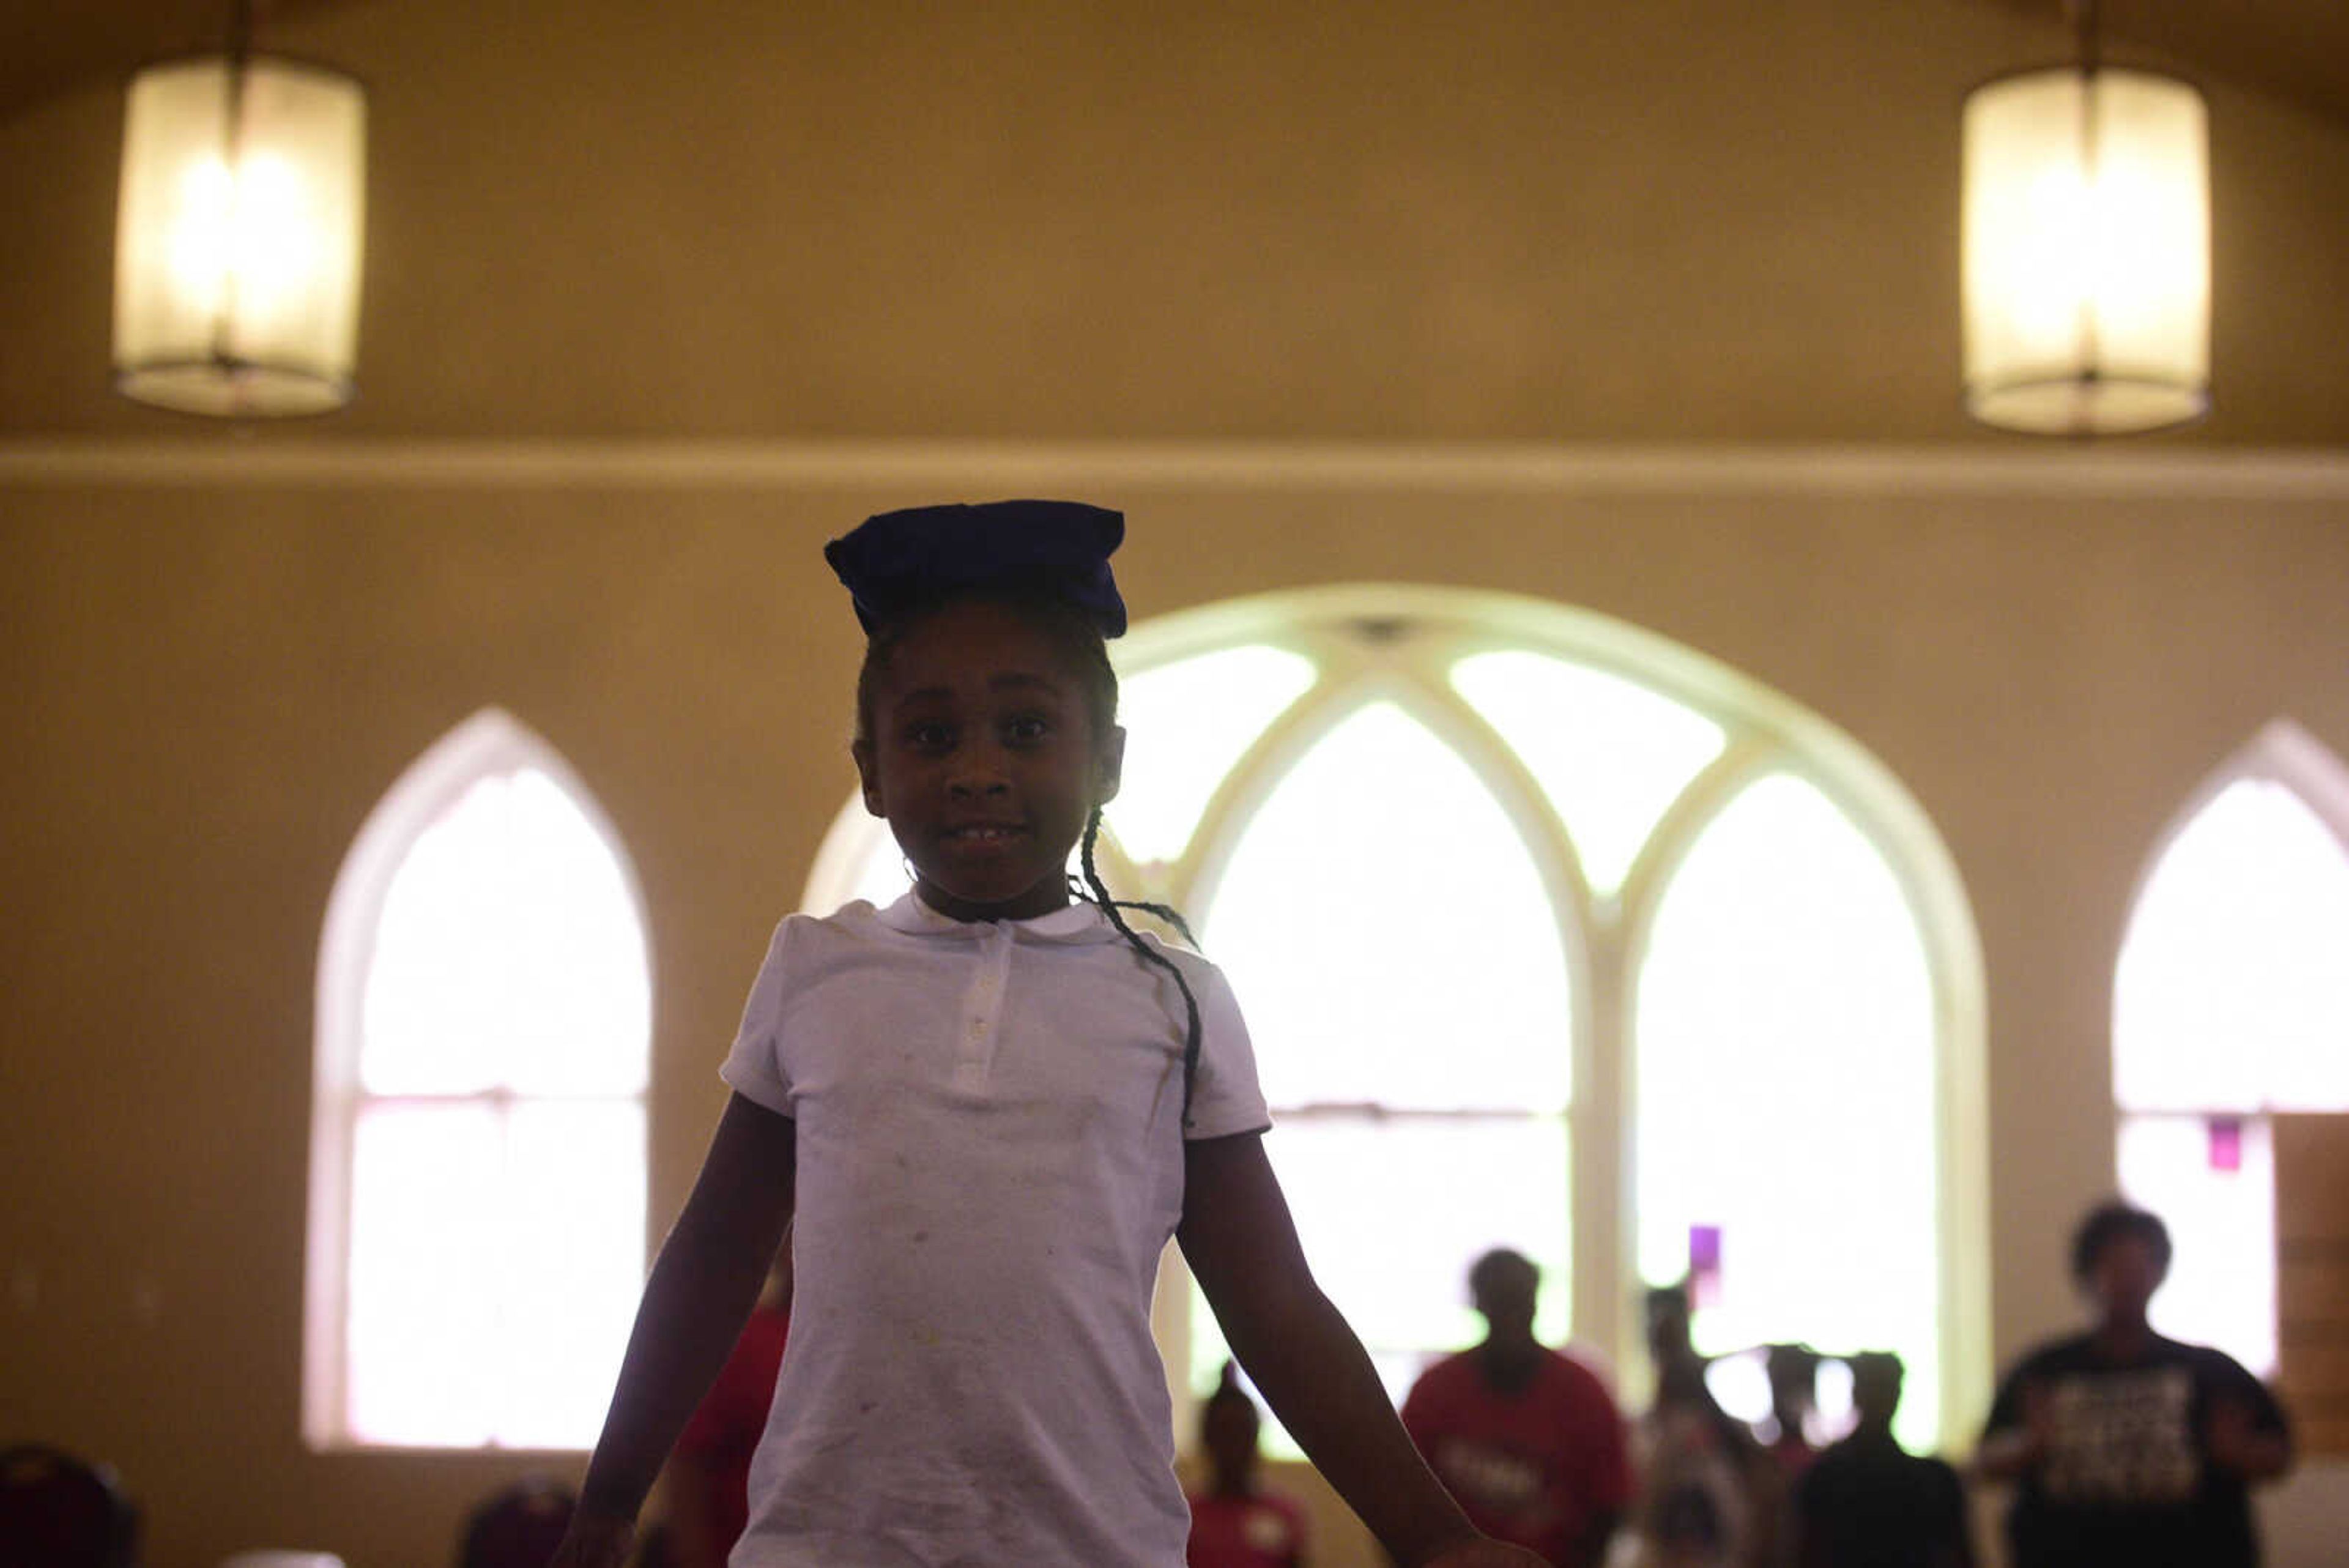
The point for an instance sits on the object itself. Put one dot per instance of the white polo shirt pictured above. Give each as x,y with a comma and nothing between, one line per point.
991,1162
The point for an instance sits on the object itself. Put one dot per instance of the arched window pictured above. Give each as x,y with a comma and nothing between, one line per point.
478,1150
1554,935
2231,1002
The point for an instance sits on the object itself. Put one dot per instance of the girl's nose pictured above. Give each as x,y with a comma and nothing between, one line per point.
975,776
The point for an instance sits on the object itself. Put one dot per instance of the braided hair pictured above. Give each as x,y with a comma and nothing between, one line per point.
1079,638
1099,895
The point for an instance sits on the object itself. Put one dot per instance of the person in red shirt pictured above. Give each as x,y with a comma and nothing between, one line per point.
1235,1523
1528,1440
710,1469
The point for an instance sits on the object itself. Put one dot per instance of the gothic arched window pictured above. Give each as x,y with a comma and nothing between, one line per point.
2231,1003
478,1166
1555,935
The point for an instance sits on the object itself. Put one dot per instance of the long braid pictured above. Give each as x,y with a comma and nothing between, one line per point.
1110,906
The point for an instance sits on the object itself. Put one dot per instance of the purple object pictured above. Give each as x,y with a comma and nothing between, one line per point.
1704,1264
2226,1143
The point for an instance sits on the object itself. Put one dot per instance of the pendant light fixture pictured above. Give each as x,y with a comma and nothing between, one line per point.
2087,248
238,239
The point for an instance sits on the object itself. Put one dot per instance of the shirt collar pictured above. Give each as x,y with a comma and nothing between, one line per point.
1080,921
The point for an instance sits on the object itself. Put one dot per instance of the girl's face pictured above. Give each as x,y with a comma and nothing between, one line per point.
983,757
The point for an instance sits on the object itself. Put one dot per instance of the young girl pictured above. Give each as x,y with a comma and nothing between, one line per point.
983,1110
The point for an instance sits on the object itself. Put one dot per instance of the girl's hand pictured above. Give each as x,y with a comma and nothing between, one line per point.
1484,1553
594,1541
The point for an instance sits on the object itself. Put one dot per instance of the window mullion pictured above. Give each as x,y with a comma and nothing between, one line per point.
1599,1146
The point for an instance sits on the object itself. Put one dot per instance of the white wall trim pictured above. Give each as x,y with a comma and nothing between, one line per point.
2112,473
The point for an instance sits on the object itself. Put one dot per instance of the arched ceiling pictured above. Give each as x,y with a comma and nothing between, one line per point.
1101,220
2296,50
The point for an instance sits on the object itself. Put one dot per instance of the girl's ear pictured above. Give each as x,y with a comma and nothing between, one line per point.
868,778
1109,765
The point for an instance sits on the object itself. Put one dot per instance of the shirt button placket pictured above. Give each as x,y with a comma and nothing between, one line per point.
983,1011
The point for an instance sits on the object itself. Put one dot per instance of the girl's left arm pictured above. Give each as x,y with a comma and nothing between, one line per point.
1242,1247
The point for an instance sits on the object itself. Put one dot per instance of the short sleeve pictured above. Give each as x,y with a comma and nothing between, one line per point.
2230,1380
1226,1098
2006,1407
754,1066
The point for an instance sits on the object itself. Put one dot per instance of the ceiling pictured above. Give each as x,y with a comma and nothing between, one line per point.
2294,50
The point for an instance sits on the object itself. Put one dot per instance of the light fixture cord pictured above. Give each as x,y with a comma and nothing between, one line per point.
240,55
2092,139
2083,33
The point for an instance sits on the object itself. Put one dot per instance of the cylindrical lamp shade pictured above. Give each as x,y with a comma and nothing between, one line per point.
236,263
2087,253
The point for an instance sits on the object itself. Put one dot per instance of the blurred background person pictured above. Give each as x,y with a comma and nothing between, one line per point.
1793,1372
1866,1502
1234,1522
2126,1447
707,1484
1700,1471
1527,1439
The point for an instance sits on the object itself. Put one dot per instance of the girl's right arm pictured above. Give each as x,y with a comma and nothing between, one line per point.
702,1287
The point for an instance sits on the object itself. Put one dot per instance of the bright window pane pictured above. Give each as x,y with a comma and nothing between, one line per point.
1384,927
1185,724
571,1259
424,1349
496,1257
2213,1181
2232,991
1392,1212
1786,1091
1611,755
507,952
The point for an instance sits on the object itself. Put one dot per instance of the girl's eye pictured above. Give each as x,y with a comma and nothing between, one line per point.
1028,727
929,737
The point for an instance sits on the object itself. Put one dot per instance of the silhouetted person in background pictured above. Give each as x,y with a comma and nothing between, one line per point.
1527,1439
1866,1502
2127,1448
1234,1522
1700,1468
1794,1371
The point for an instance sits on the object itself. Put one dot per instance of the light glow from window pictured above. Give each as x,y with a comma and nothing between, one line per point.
2219,1206
507,953
496,1130
1786,1091
1186,723
1383,924
1611,755
2230,999
2232,991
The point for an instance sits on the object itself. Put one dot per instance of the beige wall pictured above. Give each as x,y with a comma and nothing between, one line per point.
212,683
1547,226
